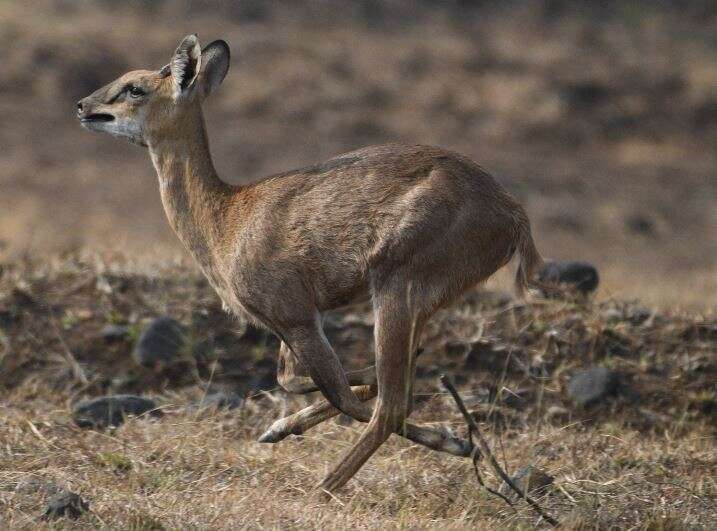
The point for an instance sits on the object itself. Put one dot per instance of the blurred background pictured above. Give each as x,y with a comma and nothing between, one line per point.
601,119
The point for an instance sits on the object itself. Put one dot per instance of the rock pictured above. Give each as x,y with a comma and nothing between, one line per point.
161,342
219,400
113,333
580,276
65,503
108,411
592,385
530,480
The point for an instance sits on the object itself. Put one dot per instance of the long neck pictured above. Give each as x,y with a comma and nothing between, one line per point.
194,198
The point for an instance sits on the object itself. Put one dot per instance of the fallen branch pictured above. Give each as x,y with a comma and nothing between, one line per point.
485,449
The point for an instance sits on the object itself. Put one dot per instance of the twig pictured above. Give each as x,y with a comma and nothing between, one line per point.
485,449
77,370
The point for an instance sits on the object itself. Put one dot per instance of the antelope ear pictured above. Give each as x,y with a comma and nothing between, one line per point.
215,65
185,65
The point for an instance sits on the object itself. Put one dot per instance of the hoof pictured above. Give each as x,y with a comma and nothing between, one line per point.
277,432
269,437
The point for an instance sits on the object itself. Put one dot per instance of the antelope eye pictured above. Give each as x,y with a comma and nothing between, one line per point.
136,92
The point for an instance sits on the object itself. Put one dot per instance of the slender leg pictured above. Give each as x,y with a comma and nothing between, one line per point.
394,369
300,422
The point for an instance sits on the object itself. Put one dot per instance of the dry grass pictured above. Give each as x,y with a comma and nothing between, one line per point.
206,471
642,460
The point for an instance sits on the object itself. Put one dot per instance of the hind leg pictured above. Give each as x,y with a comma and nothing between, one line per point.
396,337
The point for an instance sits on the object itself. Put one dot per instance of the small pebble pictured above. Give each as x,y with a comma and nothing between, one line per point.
106,411
67,504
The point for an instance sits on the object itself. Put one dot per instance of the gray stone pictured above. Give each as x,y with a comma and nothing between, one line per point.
529,479
160,343
67,504
108,411
592,385
580,276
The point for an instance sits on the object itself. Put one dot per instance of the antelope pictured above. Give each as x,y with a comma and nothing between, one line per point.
407,227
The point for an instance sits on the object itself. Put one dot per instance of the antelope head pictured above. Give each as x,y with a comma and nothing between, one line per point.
142,104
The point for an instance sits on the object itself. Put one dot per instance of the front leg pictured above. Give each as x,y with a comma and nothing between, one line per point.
310,416
294,378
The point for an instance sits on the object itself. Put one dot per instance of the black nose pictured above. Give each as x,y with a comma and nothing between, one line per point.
79,106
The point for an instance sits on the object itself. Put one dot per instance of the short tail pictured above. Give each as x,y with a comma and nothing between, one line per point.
530,262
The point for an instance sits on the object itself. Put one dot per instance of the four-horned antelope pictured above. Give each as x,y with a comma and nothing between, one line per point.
408,228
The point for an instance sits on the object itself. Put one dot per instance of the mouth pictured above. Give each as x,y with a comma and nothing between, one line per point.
98,117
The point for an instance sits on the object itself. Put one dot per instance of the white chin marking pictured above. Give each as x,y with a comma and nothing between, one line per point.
119,129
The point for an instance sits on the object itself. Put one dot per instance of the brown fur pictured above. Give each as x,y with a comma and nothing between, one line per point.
407,227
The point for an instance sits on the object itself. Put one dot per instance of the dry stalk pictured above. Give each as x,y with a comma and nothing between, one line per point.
77,371
485,449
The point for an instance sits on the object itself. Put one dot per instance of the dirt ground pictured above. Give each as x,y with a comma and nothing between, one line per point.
641,457
602,120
